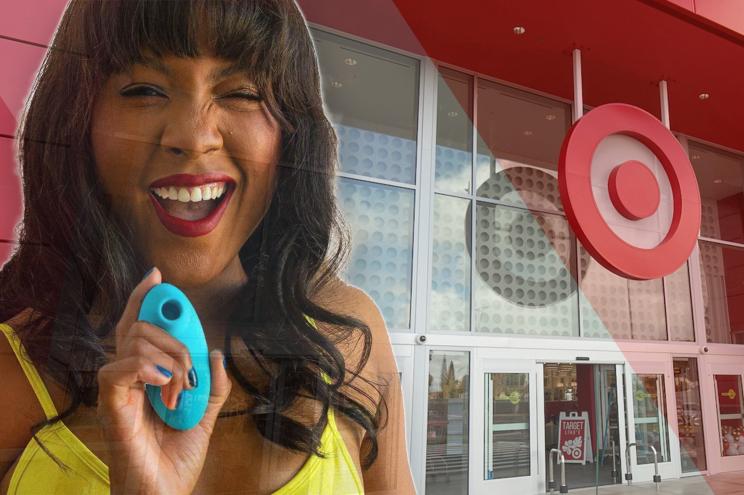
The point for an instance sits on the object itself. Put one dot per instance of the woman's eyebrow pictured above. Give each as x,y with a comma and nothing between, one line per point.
155,64
224,72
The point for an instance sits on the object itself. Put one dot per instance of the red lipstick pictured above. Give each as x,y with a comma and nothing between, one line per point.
192,228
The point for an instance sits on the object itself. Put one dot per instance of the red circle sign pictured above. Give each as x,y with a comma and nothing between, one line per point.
634,190
575,183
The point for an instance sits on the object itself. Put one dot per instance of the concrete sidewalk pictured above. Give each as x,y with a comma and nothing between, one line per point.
719,484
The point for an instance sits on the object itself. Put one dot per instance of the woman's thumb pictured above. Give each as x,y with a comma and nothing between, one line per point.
220,389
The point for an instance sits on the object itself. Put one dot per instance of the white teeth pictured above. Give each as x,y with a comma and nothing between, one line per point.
186,194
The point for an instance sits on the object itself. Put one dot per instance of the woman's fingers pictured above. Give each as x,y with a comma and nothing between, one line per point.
131,311
153,335
167,364
116,378
219,391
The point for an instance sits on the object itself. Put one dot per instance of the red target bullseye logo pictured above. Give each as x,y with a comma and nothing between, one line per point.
633,191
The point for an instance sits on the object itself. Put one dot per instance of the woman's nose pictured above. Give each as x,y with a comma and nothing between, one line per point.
192,130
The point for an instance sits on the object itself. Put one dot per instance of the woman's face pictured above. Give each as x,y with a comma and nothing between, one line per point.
168,138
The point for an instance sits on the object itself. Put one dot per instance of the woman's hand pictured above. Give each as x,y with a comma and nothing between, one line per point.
147,456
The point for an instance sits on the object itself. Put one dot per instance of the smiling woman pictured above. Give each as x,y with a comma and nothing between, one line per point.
189,136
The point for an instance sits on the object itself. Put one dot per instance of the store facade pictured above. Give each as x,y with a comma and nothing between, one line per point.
511,338
507,331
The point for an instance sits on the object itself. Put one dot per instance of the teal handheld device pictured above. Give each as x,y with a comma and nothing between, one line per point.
167,307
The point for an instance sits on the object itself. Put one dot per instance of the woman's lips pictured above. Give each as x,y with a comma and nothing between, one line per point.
193,228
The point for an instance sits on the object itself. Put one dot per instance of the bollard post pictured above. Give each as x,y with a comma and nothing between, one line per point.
657,476
563,488
551,471
629,474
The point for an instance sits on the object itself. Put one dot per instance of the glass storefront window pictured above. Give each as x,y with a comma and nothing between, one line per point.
454,152
371,96
524,282
507,416
730,414
447,428
651,424
720,178
721,268
519,139
380,218
678,299
449,306
689,415
618,308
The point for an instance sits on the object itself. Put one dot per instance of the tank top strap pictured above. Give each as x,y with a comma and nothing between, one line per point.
30,370
327,379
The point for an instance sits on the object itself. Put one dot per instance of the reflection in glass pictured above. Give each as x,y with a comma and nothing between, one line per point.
524,260
447,428
507,416
720,177
724,316
450,279
689,415
521,131
380,218
651,424
454,154
730,414
371,96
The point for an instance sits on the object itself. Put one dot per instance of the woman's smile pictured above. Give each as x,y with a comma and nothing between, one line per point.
191,205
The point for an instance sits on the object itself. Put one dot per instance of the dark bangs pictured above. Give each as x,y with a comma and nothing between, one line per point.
252,34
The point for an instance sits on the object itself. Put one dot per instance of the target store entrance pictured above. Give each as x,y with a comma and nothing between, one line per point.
581,423
556,421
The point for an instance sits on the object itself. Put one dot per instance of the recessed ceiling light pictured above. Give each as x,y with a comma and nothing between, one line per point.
350,61
452,114
550,116
704,96
527,133
337,84
717,181
519,30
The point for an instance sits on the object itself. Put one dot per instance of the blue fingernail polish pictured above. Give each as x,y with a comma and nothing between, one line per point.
178,400
148,272
192,377
164,371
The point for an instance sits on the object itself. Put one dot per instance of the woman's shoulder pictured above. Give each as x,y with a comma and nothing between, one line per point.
350,300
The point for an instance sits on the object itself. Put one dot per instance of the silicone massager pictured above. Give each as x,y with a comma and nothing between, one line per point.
167,307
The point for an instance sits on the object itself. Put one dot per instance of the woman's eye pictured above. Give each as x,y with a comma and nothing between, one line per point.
244,96
141,91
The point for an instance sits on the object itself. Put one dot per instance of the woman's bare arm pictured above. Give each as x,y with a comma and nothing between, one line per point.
390,473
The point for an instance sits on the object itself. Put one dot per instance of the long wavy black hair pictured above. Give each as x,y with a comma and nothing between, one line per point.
73,251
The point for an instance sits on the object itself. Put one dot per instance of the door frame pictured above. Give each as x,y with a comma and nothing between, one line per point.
490,361
670,469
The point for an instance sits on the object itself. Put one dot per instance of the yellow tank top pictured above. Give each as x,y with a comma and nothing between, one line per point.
36,472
